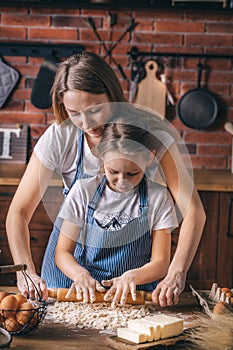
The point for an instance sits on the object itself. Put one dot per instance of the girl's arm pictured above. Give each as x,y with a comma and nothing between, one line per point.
189,203
152,271
84,284
25,201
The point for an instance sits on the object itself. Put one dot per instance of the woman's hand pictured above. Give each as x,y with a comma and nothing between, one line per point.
168,290
120,287
34,288
85,287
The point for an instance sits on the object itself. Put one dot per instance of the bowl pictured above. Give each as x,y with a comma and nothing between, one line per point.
5,339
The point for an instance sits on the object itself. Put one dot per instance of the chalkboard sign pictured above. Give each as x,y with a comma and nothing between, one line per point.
13,143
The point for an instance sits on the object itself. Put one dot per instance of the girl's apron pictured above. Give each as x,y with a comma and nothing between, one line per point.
109,253
50,272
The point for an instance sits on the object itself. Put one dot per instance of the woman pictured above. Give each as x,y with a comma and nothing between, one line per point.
82,83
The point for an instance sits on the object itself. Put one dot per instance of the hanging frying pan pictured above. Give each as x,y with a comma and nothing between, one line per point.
197,108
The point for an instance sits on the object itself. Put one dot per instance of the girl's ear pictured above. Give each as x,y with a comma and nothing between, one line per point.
151,158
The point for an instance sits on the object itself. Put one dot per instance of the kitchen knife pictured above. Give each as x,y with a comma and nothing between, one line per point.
60,295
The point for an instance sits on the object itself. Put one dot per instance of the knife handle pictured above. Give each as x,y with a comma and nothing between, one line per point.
60,295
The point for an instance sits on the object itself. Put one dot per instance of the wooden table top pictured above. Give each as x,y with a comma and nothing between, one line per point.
56,336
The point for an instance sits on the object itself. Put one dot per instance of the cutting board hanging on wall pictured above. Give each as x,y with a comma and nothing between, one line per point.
152,92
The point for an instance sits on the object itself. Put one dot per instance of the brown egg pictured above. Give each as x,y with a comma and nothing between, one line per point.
21,299
24,313
9,305
225,290
220,308
3,294
11,325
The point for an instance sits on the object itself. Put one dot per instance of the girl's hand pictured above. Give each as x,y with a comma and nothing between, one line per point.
27,288
120,287
85,287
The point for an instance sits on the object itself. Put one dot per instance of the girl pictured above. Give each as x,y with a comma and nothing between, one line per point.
120,222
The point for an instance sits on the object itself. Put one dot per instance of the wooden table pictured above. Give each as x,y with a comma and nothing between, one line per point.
54,336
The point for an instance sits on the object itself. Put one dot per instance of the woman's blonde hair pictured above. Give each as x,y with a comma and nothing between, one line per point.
86,72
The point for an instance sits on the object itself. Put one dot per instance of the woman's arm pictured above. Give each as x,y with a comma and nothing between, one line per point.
25,201
190,206
155,269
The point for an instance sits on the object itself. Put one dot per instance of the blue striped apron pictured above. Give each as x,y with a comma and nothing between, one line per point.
109,253
49,271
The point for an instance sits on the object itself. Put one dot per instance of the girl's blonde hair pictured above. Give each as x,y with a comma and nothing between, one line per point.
86,72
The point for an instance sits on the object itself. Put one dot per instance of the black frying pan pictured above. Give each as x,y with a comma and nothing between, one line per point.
197,108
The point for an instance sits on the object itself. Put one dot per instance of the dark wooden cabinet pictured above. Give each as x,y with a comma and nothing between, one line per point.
40,227
213,261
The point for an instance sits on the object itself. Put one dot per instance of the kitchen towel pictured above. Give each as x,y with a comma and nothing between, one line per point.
8,80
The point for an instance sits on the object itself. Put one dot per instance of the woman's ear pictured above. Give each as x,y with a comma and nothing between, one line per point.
151,158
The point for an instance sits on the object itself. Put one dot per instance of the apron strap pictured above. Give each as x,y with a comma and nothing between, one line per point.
143,194
79,169
98,193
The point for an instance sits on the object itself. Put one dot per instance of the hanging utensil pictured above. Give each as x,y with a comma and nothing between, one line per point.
41,91
197,108
8,80
228,126
131,27
151,91
93,26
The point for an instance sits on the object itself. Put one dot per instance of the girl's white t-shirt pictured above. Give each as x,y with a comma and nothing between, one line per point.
123,206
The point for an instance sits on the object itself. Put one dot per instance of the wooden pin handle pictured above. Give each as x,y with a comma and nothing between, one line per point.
60,295
12,268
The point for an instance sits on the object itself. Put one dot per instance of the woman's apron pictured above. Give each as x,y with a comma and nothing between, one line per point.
50,272
109,253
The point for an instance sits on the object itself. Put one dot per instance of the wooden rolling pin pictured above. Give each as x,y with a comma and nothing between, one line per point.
60,295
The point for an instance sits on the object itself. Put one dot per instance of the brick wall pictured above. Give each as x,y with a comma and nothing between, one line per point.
168,31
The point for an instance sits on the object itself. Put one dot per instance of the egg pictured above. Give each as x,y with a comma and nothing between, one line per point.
12,325
3,294
220,308
21,299
9,305
225,290
24,313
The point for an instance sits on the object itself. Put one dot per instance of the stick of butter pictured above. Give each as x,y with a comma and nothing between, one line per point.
142,327
132,335
169,325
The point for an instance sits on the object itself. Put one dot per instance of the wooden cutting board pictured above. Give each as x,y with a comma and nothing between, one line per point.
151,92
